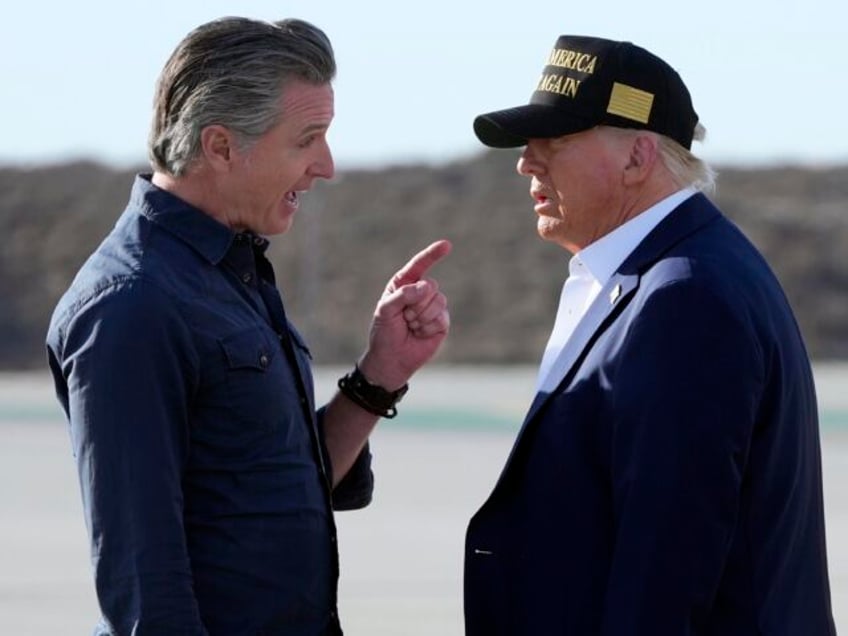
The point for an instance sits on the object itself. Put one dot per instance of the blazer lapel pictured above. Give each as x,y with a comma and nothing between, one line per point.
615,293
687,218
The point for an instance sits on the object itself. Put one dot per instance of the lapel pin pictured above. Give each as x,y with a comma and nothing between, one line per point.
614,294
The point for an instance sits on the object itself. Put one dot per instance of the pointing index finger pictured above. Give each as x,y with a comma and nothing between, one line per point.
419,264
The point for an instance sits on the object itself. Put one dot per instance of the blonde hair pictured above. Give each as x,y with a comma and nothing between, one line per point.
686,169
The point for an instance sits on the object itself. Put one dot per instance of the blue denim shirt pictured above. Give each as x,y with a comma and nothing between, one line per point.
205,480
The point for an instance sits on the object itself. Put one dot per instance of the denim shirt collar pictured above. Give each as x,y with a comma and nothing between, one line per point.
211,239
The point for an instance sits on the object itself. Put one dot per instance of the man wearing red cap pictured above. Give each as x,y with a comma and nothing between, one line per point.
667,478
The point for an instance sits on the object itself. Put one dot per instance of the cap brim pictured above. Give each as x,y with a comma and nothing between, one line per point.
512,127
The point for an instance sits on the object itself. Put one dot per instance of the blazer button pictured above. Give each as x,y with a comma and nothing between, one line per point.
263,361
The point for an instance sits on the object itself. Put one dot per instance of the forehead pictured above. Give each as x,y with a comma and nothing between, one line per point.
306,103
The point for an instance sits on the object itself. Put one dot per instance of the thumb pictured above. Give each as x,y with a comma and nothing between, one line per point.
396,301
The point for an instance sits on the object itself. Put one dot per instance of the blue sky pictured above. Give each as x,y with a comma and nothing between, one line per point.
767,78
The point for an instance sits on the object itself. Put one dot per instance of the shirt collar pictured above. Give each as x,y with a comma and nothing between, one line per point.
205,235
603,257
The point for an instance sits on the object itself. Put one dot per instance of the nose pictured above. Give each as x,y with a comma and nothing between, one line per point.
323,167
528,163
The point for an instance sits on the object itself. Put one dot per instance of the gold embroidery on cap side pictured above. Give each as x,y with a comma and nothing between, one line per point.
630,102
573,60
558,81
560,84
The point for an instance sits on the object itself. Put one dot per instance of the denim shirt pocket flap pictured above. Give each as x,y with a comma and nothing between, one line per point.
247,349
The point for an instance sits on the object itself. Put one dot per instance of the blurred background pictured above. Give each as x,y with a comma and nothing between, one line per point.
767,79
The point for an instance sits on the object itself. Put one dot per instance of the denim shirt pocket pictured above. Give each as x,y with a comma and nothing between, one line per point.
250,419
248,350
257,385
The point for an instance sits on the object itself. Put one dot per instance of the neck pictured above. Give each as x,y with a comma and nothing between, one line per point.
648,193
195,189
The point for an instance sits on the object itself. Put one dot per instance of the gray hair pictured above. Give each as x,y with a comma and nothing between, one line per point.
231,72
686,169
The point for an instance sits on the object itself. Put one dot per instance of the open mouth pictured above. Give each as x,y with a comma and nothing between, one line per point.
292,198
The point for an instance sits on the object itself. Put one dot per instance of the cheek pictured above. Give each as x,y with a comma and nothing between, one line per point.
567,194
288,175
579,188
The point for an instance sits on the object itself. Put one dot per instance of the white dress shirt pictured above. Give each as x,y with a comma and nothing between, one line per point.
590,269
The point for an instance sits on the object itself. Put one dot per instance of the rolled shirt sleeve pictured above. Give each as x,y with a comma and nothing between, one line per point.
356,488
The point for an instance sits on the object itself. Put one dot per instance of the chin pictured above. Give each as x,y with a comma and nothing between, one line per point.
278,229
552,233
546,229
277,226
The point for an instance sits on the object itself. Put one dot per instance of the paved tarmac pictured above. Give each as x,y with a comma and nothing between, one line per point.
401,558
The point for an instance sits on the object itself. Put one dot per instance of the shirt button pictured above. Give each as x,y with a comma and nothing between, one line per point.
246,278
257,241
263,361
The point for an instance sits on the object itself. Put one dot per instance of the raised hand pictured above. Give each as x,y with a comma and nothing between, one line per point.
410,322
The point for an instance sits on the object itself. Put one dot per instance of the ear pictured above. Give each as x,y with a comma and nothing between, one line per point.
218,147
644,151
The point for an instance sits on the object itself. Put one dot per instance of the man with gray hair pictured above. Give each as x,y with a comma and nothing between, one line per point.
208,475
667,477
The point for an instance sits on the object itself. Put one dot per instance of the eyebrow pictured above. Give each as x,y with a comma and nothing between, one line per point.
313,128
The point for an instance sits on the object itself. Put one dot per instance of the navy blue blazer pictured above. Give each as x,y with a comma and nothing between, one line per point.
671,484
